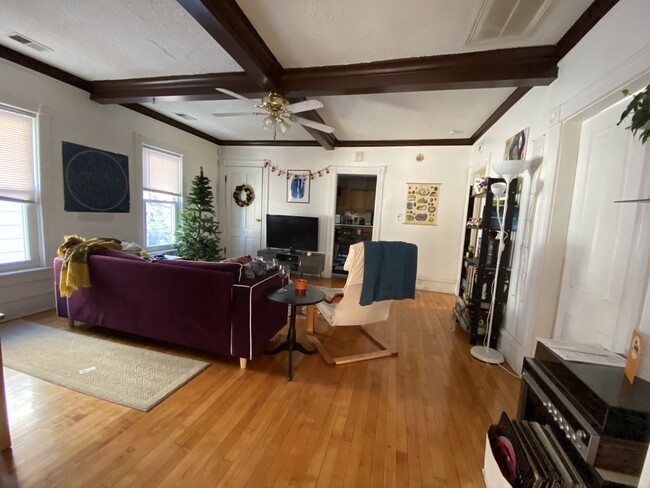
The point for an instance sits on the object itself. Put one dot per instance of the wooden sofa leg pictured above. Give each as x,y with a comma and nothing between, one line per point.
242,363
70,323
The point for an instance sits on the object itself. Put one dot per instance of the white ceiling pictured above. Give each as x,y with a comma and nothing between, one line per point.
328,32
121,39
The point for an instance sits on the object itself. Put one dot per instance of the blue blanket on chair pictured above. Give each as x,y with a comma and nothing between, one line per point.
389,271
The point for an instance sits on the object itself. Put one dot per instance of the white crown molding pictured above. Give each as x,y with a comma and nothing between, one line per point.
633,73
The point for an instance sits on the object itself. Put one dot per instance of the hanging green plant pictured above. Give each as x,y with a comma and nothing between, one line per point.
639,109
248,191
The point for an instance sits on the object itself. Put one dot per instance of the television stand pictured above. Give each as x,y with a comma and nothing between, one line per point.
312,263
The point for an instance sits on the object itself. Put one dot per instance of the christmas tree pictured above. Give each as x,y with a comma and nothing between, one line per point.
197,236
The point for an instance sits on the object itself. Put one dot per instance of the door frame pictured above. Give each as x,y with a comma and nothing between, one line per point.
379,172
224,166
564,136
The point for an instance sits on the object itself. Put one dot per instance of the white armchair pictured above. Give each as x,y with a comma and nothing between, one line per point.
343,309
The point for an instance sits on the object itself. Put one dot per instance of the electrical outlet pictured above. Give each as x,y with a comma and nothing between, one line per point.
399,217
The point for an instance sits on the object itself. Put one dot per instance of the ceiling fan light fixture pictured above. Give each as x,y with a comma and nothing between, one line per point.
277,110
269,123
284,127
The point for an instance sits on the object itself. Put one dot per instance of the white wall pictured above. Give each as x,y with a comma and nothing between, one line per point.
67,114
438,246
614,55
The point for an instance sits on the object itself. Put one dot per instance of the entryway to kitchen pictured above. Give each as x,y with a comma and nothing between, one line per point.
355,215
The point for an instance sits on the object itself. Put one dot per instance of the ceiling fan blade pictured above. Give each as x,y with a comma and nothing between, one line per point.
314,125
304,106
235,114
236,95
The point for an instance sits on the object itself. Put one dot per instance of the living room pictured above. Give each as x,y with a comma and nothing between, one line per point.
613,56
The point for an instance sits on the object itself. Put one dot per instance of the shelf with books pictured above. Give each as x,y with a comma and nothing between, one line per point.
478,270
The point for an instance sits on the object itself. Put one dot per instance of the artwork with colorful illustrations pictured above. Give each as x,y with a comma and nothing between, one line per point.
516,146
422,200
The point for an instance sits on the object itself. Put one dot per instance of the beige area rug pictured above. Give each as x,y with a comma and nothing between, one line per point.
125,375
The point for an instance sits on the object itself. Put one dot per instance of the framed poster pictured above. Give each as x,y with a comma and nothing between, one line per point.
298,186
95,180
422,200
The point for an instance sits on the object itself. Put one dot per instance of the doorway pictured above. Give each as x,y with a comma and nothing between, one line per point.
355,215
599,268
243,229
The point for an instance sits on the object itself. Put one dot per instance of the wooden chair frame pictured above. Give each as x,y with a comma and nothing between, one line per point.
384,349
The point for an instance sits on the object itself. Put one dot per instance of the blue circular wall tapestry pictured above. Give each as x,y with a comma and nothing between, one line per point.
95,180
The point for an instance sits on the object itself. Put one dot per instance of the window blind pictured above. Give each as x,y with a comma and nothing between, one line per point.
161,171
17,182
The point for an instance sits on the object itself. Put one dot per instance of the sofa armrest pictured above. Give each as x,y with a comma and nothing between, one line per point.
255,318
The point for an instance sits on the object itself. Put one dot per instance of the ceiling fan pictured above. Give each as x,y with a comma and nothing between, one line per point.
277,110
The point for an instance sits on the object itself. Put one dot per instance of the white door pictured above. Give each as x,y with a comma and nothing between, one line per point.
243,224
597,265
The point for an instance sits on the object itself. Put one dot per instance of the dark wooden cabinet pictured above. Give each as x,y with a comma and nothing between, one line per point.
346,235
312,263
480,248
355,200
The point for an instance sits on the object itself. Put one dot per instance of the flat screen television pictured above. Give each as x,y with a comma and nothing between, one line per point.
292,232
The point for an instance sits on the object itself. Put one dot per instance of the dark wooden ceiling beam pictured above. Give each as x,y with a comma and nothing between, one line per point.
530,66
514,97
46,69
169,121
174,88
584,24
487,69
271,143
407,142
328,141
225,21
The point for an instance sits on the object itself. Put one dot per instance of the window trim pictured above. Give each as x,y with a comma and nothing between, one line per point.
177,205
32,211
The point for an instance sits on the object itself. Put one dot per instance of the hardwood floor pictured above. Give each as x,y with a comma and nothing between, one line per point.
418,419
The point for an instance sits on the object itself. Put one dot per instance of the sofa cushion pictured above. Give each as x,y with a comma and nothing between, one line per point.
118,254
238,259
254,269
233,268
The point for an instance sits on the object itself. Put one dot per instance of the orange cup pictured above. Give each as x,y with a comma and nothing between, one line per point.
301,285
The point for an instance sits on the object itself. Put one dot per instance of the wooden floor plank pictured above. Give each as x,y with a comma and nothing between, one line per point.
416,419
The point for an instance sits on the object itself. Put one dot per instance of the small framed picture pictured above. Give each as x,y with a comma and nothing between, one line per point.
298,186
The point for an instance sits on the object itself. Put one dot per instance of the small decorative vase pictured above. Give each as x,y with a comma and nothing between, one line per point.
301,286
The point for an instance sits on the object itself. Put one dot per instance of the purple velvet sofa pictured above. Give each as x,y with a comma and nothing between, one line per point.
208,306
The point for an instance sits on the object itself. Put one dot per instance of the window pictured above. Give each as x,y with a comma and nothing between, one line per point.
19,236
161,172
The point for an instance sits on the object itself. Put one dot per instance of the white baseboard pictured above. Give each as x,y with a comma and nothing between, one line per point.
26,292
441,286
512,351
28,306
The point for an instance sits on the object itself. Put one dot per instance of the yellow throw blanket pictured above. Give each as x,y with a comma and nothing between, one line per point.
74,251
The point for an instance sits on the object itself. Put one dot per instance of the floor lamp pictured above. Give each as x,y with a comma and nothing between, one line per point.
508,170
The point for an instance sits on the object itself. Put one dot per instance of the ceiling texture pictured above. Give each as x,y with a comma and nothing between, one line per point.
415,72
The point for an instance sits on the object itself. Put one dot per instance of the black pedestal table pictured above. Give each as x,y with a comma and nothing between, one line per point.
289,297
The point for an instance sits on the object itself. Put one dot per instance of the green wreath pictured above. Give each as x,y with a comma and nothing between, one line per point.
250,196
